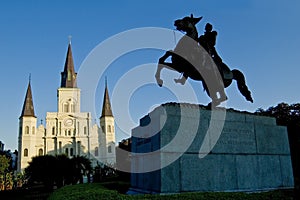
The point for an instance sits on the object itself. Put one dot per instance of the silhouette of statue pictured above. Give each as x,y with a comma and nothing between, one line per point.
201,62
208,42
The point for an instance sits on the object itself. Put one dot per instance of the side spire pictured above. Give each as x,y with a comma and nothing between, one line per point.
68,76
106,107
28,109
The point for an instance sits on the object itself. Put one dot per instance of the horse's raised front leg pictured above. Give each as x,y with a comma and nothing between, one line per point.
160,66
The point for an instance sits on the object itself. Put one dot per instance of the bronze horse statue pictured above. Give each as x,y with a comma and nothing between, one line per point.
192,60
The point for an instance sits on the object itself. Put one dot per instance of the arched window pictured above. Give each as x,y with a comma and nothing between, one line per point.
71,152
96,151
66,107
60,147
69,75
84,130
67,151
109,128
73,107
59,128
79,148
27,130
40,152
53,130
78,128
33,130
25,152
109,149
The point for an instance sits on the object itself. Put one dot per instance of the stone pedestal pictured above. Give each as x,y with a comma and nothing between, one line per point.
185,147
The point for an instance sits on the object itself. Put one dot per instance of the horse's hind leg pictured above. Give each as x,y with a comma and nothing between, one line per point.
241,83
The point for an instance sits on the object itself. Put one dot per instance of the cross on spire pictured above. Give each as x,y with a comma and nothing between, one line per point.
70,39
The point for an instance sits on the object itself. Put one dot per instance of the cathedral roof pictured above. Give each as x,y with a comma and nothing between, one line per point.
28,109
106,107
68,76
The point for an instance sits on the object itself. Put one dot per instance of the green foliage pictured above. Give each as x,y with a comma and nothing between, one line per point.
284,113
57,169
99,191
104,172
20,179
5,177
4,163
85,191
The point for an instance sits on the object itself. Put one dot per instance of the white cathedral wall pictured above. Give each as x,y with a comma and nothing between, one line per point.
108,147
30,140
83,138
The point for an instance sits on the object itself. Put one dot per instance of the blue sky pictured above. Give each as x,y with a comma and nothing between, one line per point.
261,38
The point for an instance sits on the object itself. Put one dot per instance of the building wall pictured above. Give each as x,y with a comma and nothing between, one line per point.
1,146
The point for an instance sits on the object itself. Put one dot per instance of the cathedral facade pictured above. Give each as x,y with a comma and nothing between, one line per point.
67,131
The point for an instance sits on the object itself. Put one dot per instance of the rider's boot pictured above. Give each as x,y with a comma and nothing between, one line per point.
180,80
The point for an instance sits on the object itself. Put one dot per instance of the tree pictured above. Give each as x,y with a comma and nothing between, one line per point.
63,170
20,179
42,169
59,170
4,165
285,114
81,166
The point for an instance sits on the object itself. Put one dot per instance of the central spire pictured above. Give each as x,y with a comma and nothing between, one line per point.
68,76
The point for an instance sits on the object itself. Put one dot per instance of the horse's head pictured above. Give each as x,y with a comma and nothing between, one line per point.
187,23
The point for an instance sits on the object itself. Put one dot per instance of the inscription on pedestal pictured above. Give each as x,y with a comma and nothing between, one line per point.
236,138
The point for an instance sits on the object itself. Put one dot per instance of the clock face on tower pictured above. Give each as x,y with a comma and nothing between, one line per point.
68,122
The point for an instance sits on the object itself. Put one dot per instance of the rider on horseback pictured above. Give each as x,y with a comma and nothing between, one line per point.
208,42
201,62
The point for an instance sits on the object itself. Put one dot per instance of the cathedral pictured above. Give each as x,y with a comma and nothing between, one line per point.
67,131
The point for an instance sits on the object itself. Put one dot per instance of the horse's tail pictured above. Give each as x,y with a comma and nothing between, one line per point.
241,83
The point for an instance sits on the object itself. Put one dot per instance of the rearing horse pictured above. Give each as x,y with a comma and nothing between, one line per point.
193,61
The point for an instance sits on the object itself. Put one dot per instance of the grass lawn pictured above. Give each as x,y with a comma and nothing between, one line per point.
96,191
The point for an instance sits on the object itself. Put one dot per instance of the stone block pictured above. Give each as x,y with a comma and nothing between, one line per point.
199,137
269,172
286,171
247,168
272,140
198,173
178,137
211,173
170,177
256,119
233,116
236,137
226,178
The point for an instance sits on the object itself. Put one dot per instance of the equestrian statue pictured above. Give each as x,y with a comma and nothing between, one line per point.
196,58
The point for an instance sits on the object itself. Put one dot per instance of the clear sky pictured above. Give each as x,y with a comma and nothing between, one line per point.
259,37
